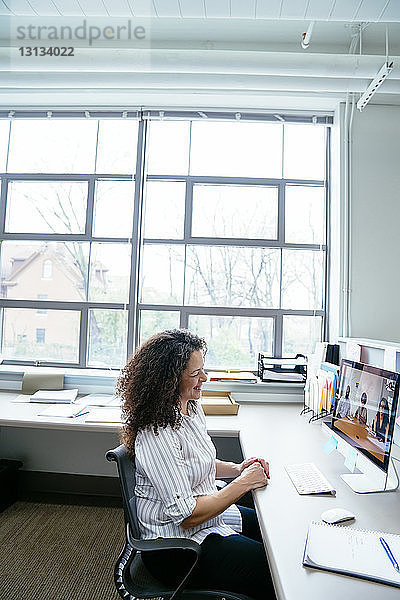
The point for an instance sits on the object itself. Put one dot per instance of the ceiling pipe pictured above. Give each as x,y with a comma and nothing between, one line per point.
196,81
103,60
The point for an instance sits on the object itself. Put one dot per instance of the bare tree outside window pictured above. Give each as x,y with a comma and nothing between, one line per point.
219,240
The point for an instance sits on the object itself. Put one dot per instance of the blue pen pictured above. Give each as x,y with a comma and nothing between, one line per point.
389,553
86,412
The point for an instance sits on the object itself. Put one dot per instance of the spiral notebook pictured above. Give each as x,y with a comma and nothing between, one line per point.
354,552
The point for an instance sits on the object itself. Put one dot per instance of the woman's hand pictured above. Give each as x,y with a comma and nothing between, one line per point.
249,461
253,476
207,507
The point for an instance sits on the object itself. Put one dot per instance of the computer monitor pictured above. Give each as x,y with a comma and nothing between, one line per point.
365,411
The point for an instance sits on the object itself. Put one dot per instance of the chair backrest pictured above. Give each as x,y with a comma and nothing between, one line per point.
126,471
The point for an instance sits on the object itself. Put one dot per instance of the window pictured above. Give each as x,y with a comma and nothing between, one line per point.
221,230
235,236
41,311
40,335
57,343
46,207
47,269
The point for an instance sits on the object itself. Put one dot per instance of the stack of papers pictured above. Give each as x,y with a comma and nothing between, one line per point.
285,363
55,397
281,376
63,410
233,377
101,400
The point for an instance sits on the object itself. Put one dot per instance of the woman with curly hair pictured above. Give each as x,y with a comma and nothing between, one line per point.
176,466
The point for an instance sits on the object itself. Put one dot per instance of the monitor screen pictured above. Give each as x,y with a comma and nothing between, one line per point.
365,409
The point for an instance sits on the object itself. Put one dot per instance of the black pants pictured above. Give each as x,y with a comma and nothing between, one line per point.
235,563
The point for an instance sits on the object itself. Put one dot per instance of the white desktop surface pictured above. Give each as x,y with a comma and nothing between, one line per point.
282,436
16,414
277,432
26,415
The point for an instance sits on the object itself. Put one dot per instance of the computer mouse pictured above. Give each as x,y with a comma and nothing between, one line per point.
337,515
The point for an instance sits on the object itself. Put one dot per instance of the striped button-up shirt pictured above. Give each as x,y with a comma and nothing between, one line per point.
172,469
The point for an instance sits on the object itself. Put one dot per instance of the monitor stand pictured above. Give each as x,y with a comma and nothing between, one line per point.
363,483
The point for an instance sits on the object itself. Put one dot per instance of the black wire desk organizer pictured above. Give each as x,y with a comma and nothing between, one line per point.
282,369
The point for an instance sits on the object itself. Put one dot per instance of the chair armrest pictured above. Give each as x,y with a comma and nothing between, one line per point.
119,452
164,544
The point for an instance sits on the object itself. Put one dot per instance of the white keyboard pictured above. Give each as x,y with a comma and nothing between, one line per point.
307,479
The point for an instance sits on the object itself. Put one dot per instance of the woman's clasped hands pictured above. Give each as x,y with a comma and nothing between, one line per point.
255,472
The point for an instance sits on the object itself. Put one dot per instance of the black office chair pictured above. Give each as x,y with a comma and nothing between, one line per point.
132,579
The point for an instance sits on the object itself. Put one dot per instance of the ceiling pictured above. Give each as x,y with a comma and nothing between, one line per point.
319,10
203,53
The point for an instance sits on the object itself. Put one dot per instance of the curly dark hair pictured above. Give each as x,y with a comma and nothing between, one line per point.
149,382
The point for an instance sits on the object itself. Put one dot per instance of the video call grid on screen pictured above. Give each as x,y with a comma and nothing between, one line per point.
360,393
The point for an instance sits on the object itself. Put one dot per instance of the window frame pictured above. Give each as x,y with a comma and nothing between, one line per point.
84,306
139,177
276,313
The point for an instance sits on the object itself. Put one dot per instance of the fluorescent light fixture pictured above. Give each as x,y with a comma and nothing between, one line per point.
380,77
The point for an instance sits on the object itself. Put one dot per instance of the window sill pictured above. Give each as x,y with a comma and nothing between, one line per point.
103,381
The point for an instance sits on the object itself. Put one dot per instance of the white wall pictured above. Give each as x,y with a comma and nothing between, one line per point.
375,220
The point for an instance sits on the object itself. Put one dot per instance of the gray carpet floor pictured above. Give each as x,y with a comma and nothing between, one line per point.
59,551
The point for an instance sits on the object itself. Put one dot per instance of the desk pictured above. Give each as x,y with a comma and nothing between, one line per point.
50,446
278,432
18,414
281,435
